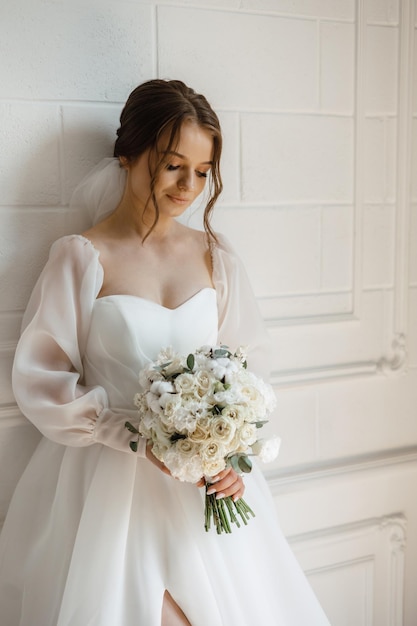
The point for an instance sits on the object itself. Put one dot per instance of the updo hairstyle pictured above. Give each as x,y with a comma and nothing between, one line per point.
157,106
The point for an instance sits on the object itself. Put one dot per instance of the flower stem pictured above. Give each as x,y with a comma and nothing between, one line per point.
223,512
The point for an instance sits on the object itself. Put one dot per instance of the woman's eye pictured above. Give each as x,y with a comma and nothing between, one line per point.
202,174
172,168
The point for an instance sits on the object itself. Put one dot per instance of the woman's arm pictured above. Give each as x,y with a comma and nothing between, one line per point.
48,370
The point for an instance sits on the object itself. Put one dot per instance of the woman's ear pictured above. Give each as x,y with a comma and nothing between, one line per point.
124,162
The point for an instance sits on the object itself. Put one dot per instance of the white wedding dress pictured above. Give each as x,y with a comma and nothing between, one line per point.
95,533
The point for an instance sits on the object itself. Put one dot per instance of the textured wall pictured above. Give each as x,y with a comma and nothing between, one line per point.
320,166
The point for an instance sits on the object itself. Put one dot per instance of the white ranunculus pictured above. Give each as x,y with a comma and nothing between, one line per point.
267,449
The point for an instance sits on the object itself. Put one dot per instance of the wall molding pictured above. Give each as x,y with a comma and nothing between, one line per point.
290,478
368,328
370,549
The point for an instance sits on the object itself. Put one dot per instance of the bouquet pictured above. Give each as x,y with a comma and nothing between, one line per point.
202,412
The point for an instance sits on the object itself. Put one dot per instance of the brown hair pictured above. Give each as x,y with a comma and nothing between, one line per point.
160,105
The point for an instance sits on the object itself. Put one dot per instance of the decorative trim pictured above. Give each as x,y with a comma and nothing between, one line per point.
377,546
11,417
398,359
317,375
290,478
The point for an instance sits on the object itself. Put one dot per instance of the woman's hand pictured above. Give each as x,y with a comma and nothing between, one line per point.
227,483
152,458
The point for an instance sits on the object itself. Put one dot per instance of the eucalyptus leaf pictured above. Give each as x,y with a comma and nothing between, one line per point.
131,428
158,368
234,462
260,423
134,446
190,361
245,464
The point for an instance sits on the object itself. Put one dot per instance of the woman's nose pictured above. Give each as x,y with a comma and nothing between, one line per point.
186,180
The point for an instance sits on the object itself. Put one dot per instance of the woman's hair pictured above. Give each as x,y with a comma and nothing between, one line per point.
157,106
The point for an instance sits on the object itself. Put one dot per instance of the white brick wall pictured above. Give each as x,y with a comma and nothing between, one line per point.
320,171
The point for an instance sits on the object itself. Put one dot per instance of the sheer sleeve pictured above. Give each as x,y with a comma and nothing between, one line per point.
240,321
48,370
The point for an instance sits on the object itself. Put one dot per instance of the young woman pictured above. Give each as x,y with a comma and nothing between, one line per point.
98,535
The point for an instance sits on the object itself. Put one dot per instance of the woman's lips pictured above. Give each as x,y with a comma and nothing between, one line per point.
178,200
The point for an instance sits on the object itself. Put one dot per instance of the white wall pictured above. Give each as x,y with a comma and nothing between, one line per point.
320,124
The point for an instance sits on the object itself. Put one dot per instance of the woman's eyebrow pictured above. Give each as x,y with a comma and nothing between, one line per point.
181,156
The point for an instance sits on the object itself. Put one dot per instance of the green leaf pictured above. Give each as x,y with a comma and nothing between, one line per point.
234,463
260,423
134,446
131,428
190,361
245,464
176,436
159,368
221,352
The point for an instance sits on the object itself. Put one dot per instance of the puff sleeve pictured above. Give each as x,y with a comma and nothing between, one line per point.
240,321
48,370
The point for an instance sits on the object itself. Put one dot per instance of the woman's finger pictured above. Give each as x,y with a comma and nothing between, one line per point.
227,483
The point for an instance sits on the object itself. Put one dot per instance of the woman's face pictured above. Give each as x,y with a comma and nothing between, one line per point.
182,175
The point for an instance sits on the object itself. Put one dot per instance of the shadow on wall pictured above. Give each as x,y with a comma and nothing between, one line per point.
27,232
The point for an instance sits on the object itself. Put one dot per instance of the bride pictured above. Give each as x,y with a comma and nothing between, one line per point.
96,534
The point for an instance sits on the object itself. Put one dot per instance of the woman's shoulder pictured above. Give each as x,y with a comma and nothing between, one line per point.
74,241
73,248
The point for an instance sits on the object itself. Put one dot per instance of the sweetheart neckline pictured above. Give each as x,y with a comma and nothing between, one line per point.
153,302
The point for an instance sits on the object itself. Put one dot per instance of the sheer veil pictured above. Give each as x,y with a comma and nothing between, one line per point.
101,190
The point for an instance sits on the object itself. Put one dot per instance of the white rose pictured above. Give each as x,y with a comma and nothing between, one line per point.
222,429
185,384
246,435
204,381
183,461
201,430
267,449
212,455
211,468
237,413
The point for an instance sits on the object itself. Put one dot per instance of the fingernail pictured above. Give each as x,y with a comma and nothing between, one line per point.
209,492
214,479
219,496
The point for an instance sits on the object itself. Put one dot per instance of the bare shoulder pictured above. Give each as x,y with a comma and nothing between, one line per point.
197,238
99,235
